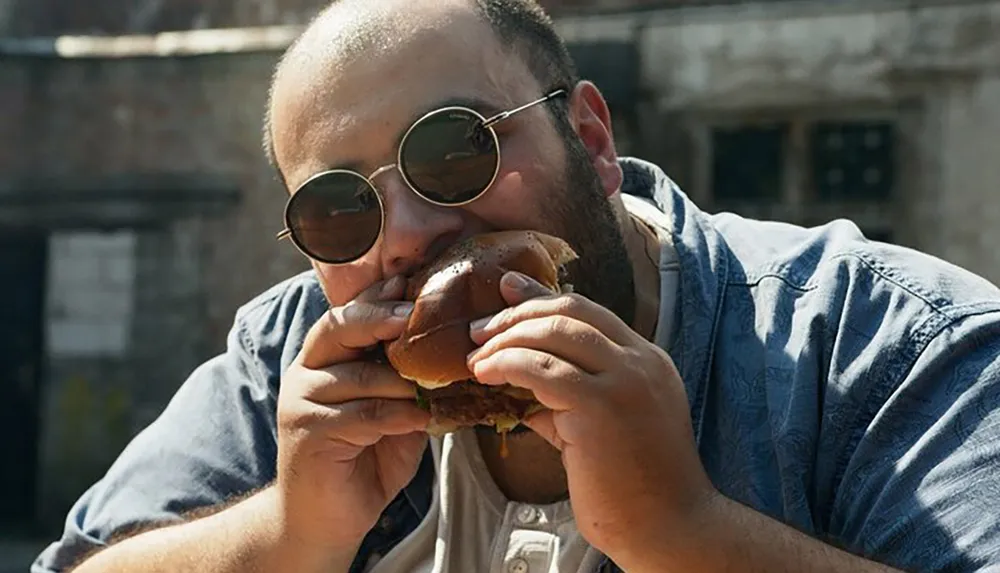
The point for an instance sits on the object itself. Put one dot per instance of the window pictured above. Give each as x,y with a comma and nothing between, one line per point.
748,162
852,161
804,168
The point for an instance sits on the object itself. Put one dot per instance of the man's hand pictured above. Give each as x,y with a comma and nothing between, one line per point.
350,433
350,437
616,409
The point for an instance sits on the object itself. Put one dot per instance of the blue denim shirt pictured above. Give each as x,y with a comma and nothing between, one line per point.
846,388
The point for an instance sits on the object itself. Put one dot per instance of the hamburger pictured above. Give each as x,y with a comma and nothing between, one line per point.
461,286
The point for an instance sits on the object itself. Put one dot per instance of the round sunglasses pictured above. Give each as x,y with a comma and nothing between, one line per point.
449,157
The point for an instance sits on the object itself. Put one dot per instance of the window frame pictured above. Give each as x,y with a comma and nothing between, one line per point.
799,201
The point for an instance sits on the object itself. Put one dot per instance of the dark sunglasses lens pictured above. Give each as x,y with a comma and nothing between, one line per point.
335,218
449,157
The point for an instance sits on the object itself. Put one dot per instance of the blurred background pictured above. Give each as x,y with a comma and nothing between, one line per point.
137,211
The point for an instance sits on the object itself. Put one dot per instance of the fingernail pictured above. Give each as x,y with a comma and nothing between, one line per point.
515,280
477,325
402,310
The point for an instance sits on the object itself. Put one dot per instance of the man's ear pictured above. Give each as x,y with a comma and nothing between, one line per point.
591,120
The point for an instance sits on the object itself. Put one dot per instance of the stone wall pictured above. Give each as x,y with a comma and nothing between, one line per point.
930,67
126,323
135,304
199,116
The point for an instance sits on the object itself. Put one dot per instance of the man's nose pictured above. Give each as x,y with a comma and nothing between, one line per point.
415,230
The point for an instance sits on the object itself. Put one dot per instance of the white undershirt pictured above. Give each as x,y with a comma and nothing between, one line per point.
474,528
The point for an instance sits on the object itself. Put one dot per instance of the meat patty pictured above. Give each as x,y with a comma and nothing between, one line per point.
468,403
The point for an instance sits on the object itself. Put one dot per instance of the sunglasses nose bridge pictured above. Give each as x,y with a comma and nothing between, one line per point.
382,170
388,181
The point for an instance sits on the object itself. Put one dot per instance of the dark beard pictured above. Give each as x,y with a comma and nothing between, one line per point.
585,219
582,215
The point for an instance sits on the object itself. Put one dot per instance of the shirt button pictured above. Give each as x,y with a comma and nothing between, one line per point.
527,515
518,566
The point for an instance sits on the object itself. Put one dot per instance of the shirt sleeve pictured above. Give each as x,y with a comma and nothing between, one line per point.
216,439
921,488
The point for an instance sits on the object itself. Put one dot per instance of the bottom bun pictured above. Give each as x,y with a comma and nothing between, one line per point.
468,403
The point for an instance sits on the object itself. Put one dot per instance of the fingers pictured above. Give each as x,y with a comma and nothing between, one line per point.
570,305
344,332
543,424
556,383
517,287
357,424
352,381
364,422
391,289
569,339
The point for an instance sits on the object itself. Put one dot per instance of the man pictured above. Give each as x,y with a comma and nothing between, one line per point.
722,395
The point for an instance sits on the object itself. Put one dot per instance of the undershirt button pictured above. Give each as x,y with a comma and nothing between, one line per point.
527,515
517,566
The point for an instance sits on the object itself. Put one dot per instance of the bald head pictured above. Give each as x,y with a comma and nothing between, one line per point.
348,94
351,30
349,33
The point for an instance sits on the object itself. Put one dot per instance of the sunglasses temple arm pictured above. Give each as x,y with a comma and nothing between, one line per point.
506,114
284,234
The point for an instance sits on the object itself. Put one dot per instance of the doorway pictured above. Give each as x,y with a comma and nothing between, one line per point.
23,262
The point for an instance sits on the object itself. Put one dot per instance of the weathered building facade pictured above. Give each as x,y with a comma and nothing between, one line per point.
137,211
880,111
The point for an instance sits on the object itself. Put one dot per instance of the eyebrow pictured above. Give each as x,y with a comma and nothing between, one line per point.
482,106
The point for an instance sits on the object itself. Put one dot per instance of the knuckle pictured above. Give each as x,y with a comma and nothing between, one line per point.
545,362
503,319
574,300
568,304
371,410
295,386
364,375
559,324
296,419
335,317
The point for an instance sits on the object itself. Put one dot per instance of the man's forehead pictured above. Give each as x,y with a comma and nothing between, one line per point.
357,39
443,55
360,30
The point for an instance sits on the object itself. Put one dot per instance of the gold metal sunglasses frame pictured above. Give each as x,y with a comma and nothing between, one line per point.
488,123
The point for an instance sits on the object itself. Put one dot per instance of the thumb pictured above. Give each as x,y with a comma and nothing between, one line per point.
345,332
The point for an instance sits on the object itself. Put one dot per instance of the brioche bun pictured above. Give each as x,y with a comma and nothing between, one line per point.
461,286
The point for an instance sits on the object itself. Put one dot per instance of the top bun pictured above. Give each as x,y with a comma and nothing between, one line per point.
461,286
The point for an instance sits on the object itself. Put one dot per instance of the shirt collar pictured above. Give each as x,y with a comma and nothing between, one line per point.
704,261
